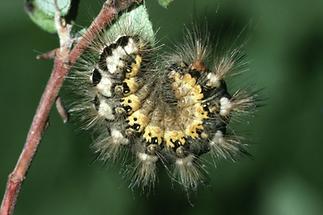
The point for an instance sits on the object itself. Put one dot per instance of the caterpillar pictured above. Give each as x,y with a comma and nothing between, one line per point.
168,108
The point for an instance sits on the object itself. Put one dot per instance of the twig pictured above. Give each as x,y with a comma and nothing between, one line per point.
63,61
47,56
61,109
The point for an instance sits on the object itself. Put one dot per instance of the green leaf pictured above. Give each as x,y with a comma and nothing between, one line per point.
42,12
139,20
165,3
48,6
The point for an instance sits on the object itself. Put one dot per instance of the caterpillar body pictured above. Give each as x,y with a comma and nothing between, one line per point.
169,108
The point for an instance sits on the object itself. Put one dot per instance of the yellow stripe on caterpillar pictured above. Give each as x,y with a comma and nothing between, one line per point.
199,111
138,120
130,86
131,101
194,128
172,136
153,132
135,67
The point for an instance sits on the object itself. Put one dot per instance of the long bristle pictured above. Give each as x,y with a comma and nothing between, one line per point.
110,146
188,172
225,146
144,172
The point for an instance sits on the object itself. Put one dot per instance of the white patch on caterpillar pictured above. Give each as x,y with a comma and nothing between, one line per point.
217,139
213,80
131,47
147,158
104,86
105,110
115,61
240,102
118,137
225,106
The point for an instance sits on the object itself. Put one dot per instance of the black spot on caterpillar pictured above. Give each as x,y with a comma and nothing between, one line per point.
170,108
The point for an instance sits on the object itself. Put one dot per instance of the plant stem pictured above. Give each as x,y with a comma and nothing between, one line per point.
64,59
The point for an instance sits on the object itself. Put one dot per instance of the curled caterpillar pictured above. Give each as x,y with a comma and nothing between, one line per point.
169,108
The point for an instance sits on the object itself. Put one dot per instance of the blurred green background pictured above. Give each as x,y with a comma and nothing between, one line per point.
285,175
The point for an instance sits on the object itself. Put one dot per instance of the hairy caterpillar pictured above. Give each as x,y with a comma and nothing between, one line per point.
169,108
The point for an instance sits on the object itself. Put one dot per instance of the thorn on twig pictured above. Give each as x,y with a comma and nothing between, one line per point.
61,110
47,124
48,55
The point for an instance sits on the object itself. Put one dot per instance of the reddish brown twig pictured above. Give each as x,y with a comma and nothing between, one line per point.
47,56
64,59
